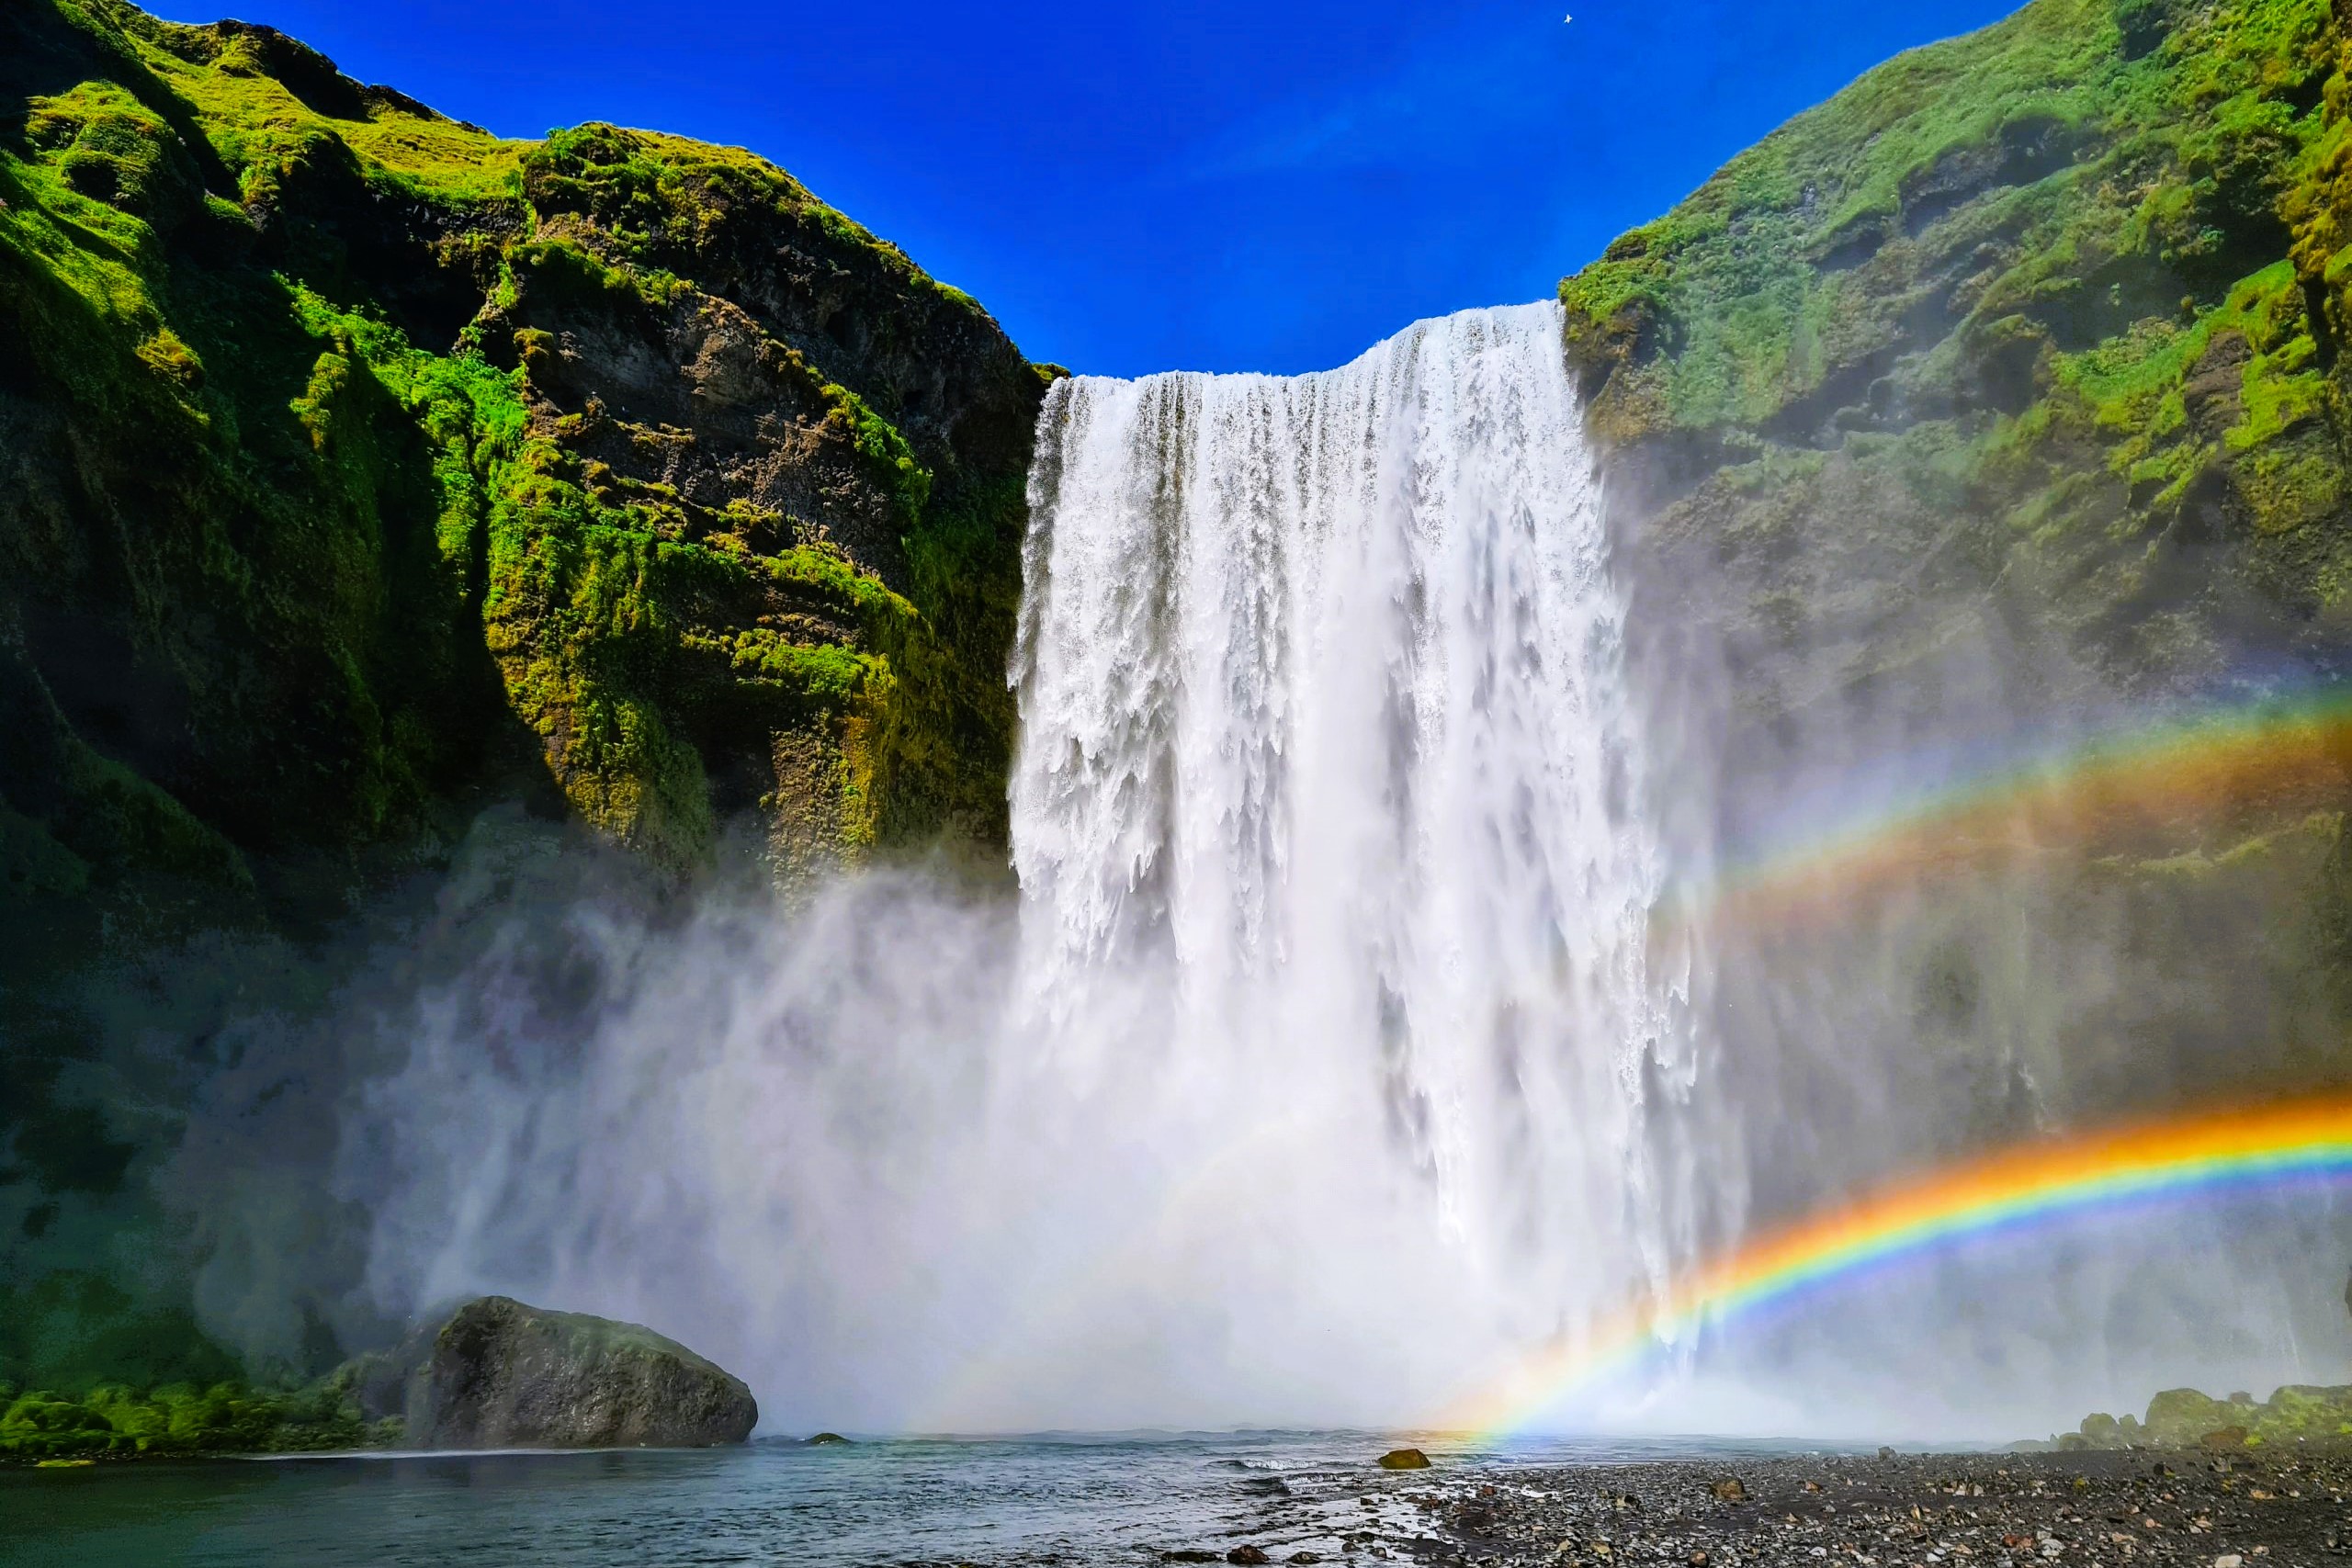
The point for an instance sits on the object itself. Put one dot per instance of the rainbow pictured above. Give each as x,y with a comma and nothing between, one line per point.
2262,1146
2250,763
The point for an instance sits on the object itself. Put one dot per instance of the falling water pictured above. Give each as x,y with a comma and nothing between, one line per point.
1326,734
1335,1054
1321,1069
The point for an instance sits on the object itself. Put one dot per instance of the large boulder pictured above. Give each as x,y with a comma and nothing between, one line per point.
498,1373
2179,1417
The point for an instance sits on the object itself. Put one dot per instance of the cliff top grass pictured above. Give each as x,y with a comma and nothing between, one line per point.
257,99
2071,135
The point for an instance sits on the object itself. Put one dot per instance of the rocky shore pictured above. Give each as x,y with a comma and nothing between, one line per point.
1991,1510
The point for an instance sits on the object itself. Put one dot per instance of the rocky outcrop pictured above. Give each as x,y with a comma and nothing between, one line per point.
2184,1418
2032,333
500,1374
358,461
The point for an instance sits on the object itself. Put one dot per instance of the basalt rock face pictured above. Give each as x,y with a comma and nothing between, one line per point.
1999,400
500,1374
365,476
358,459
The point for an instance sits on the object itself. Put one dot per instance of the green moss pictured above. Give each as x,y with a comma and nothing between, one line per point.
331,510
2085,264
389,508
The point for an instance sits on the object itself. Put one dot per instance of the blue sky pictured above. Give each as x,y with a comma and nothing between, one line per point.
1227,184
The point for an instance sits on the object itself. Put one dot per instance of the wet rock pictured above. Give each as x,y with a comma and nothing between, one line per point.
1404,1458
1188,1554
825,1440
1247,1555
500,1374
2221,1439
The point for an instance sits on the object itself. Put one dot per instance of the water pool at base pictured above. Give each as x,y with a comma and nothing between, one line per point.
1026,1501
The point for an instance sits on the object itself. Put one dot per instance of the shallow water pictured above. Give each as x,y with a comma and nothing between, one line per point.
1042,1500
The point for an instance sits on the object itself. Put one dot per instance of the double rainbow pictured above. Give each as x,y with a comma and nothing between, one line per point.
2259,1147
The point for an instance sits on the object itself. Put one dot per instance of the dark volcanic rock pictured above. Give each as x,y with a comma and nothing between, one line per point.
500,1374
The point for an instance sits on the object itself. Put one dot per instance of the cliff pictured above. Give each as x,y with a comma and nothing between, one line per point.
2000,401
356,459
360,471
2056,306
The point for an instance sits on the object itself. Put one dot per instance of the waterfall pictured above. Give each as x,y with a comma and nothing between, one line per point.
1334,1055
1329,772
1322,1067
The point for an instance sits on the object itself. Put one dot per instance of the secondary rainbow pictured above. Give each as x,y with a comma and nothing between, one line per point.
2261,1145
2143,786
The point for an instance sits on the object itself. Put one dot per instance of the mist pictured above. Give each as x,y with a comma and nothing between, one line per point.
1339,1047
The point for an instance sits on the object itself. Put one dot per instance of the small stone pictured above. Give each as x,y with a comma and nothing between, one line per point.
2229,1560
1700,1560
1729,1490
1404,1458
1188,1554
1304,1557
1247,1555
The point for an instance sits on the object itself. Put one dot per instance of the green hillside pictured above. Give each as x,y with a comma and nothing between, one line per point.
2057,304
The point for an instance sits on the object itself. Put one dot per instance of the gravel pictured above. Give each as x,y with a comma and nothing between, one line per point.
2138,1507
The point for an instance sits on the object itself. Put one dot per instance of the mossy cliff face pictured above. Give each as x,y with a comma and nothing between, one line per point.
2001,398
2056,306
356,457
360,470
